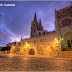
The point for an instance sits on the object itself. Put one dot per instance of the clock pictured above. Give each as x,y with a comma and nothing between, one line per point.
66,22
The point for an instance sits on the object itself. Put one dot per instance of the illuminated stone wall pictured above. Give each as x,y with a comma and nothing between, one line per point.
47,45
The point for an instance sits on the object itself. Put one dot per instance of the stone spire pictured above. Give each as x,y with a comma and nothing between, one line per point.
40,21
35,18
40,25
34,26
21,38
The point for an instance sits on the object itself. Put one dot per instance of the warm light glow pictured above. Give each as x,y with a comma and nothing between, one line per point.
27,45
26,42
11,55
55,38
61,38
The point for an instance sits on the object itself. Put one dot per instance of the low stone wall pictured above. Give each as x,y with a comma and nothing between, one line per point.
43,49
47,45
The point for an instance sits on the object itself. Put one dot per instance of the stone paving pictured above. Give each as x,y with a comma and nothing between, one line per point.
21,63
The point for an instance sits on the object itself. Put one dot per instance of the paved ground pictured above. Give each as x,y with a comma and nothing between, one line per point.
21,63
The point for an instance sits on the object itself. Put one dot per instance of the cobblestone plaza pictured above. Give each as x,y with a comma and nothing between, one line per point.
30,46
21,63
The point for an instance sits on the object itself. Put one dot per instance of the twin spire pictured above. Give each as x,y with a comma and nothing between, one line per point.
40,25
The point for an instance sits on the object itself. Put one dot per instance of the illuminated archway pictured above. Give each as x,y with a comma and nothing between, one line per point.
31,52
67,39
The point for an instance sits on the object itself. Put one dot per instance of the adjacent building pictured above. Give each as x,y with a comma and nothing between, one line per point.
9,44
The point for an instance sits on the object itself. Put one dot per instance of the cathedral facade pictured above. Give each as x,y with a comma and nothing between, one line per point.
37,28
44,43
63,25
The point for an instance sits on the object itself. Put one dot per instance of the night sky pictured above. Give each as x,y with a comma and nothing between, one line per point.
16,21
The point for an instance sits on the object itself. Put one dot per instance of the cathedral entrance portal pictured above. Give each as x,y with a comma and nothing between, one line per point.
31,52
68,42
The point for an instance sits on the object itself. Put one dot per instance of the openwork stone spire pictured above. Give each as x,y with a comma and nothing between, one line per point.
35,18
40,25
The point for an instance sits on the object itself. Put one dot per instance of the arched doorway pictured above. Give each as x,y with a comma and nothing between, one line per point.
31,52
39,34
68,42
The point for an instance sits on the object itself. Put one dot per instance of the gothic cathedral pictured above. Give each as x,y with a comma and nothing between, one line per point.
44,43
37,28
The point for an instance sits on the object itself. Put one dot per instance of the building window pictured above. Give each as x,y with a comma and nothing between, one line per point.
43,32
33,35
39,34
14,43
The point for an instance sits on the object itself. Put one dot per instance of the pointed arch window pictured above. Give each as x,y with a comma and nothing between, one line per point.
68,42
39,34
43,32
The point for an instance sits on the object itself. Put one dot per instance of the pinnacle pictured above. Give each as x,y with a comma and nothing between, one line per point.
35,16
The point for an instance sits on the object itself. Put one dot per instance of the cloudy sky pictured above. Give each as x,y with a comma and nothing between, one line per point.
16,21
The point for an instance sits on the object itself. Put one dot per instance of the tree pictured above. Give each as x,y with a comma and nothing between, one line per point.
5,48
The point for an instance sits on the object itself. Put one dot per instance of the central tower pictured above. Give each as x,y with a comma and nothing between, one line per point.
37,28
34,26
